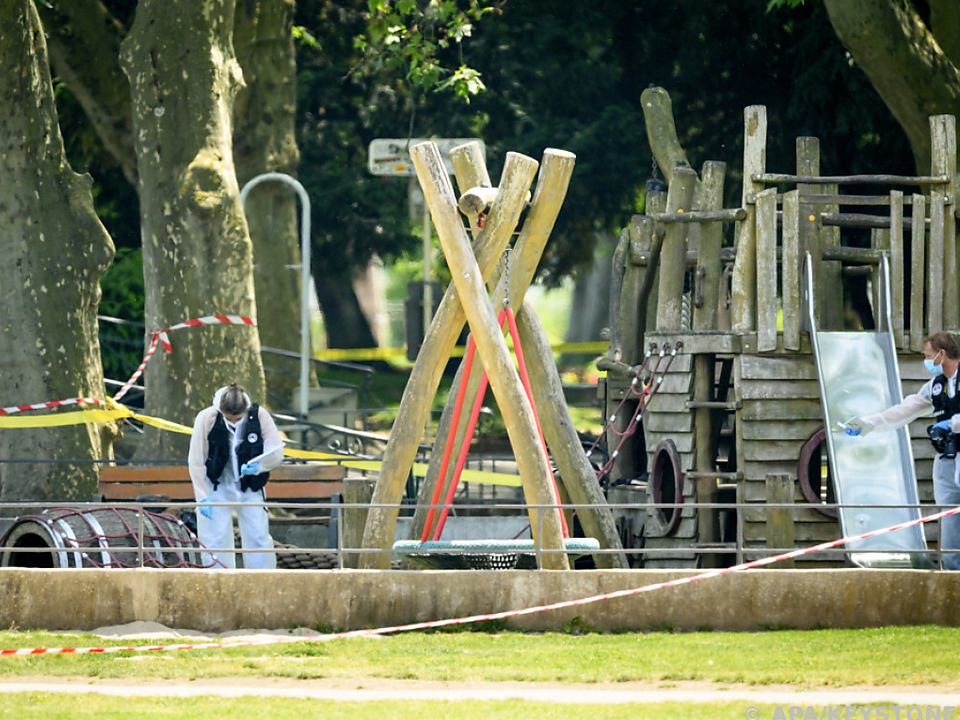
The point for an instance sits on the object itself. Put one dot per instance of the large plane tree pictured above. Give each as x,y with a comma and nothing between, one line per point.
54,251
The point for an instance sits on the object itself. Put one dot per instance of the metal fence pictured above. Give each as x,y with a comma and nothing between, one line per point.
138,540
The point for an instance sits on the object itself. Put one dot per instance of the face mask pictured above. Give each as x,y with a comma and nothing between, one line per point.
935,369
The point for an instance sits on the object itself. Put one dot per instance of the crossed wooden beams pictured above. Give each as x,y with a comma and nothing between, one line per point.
467,299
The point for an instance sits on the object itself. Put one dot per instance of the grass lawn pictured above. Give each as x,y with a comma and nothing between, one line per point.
886,658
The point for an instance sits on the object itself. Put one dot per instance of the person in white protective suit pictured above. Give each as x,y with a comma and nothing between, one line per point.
938,397
234,445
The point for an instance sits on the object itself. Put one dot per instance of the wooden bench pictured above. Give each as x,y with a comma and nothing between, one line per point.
308,482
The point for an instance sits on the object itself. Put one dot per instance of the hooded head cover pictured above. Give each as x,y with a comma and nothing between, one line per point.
231,400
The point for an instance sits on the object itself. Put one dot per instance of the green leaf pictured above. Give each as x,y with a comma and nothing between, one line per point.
303,36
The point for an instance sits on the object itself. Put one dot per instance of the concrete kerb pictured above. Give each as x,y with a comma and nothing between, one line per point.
218,601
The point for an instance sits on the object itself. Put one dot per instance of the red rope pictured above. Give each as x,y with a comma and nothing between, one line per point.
505,314
451,437
525,379
462,457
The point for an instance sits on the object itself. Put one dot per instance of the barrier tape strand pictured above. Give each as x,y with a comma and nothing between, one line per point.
51,404
161,337
488,616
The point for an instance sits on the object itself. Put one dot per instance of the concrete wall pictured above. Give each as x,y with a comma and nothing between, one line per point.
218,601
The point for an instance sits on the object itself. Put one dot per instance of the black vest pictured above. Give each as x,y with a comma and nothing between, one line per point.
218,455
944,407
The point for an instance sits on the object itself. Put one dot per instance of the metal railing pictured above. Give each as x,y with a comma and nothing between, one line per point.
657,549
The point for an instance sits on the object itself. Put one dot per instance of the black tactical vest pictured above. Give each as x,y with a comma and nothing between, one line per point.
218,444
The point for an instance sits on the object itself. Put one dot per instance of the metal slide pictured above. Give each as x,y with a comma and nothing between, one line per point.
859,376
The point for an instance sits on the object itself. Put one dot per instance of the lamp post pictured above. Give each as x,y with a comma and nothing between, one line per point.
305,349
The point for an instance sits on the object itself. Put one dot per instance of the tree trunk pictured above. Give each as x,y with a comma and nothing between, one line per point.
590,304
945,25
197,255
265,141
346,326
54,251
904,62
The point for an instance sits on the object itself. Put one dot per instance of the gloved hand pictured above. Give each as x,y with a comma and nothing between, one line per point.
204,508
250,468
857,426
943,425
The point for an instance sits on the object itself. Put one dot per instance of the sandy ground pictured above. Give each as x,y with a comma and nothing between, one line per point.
371,689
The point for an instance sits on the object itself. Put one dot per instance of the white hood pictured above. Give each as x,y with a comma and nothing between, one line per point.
219,394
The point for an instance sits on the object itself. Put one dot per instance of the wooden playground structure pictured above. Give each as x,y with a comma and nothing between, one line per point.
738,417
717,442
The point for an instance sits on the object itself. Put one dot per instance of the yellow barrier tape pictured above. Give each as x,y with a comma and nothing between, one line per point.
76,417
163,424
419,469
360,353
120,412
356,354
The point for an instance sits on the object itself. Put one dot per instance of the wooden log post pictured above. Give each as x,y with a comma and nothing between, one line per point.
766,239
897,267
647,309
705,318
470,170
808,165
780,520
815,238
709,268
576,473
356,491
662,130
673,256
830,281
552,184
917,274
705,420
943,136
936,279
517,413
880,241
619,330
743,293
790,265
424,379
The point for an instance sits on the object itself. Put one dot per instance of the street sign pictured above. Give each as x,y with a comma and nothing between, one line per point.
391,156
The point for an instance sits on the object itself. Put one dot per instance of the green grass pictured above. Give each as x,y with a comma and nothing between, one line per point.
885,657
51,706
832,658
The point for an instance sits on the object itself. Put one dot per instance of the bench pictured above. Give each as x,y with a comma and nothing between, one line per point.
308,482
170,488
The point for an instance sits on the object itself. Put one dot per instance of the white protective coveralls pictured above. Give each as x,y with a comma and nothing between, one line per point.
253,519
946,488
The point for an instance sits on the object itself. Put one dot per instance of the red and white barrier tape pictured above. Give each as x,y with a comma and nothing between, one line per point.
161,337
490,616
155,337
53,403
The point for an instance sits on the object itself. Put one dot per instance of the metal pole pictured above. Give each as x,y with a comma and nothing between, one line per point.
305,350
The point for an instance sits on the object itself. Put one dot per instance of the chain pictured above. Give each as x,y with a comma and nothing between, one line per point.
506,278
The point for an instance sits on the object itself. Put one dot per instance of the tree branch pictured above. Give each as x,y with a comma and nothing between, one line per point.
903,61
84,47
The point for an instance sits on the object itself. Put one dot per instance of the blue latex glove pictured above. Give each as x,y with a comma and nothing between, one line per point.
943,425
204,508
856,427
250,468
